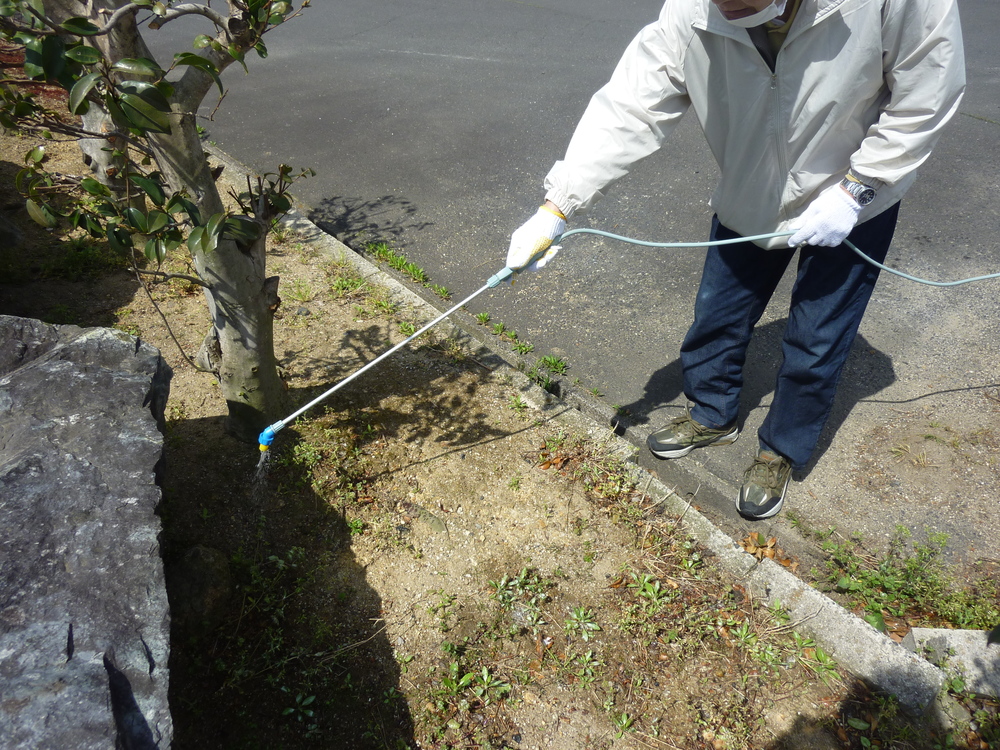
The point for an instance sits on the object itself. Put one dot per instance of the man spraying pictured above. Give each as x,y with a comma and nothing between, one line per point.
819,113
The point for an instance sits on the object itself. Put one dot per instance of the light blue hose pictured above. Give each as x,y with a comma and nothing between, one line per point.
644,243
267,436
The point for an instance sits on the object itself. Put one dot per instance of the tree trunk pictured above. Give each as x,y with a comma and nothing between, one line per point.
241,298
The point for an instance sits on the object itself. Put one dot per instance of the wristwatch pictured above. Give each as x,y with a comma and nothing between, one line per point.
862,193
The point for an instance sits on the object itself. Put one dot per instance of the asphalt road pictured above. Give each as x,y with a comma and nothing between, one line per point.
432,123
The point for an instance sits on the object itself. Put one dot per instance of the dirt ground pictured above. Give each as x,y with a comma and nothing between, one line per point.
426,561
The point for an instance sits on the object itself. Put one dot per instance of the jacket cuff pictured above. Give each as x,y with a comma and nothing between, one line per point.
871,182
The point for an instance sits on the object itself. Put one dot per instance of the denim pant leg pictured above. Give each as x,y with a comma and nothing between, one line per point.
829,298
736,284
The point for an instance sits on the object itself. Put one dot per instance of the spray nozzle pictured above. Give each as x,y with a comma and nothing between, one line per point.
267,436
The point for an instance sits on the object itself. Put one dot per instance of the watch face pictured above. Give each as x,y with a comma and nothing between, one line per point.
866,196
861,192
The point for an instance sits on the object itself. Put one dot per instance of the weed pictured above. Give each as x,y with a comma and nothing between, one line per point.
356,526
407,329
499,329
518,404
622,722
584,668
441,291
523,347
442,609
483,318
515,482
911,583
301,711
346,285
555,365
301,291
581,622
279,231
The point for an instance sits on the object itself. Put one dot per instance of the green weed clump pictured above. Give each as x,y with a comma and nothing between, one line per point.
911,582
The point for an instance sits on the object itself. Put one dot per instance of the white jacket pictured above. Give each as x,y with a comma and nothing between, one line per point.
864,85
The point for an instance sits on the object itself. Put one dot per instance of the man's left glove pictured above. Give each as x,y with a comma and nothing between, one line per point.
534,236
827,220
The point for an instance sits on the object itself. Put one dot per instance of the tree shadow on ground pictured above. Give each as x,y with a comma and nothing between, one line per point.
415,392
867,372
277,638
388,217
43,277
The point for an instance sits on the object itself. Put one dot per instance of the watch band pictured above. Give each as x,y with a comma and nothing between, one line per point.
862,193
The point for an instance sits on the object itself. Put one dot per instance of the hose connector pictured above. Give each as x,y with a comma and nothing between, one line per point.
267,436
499,277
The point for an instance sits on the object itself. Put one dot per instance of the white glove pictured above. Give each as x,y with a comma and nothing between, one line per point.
827,220
534,236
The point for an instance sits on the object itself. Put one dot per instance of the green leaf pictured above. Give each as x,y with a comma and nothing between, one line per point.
92,226
79,26
136,219
180,203
876,620
202,63
138,66
859,724
78,103
154,250
261,50
150,188
143,115
195,240
53,56
94,187
279,202
201,41
148,92
241,229
36,155
32,56
40,213
119,239
84,55
155,221
8,9
160,9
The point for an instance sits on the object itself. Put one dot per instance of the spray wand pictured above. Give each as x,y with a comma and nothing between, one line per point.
267,436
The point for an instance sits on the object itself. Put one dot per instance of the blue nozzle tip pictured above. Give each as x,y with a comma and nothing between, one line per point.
266,438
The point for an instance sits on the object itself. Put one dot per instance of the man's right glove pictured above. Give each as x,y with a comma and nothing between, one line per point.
533,237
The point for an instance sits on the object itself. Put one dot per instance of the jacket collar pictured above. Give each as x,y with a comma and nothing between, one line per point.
708,17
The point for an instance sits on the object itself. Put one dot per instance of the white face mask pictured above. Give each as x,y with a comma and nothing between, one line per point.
769,13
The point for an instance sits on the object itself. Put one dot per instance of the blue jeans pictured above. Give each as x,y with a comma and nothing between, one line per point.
832,289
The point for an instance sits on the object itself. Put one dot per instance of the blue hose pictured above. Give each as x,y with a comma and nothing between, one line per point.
645,243
267,436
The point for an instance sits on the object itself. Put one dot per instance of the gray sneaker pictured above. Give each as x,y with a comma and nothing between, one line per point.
764,485
683,435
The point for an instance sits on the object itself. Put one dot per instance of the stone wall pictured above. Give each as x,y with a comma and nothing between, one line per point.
84,623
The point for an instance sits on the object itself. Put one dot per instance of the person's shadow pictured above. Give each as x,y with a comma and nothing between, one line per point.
867,372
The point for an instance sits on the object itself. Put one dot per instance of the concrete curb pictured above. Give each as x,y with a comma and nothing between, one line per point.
856,645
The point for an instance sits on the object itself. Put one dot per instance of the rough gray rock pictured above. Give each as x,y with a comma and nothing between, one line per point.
84,622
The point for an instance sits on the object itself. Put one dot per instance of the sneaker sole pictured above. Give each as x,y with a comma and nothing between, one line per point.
770,512
729,439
